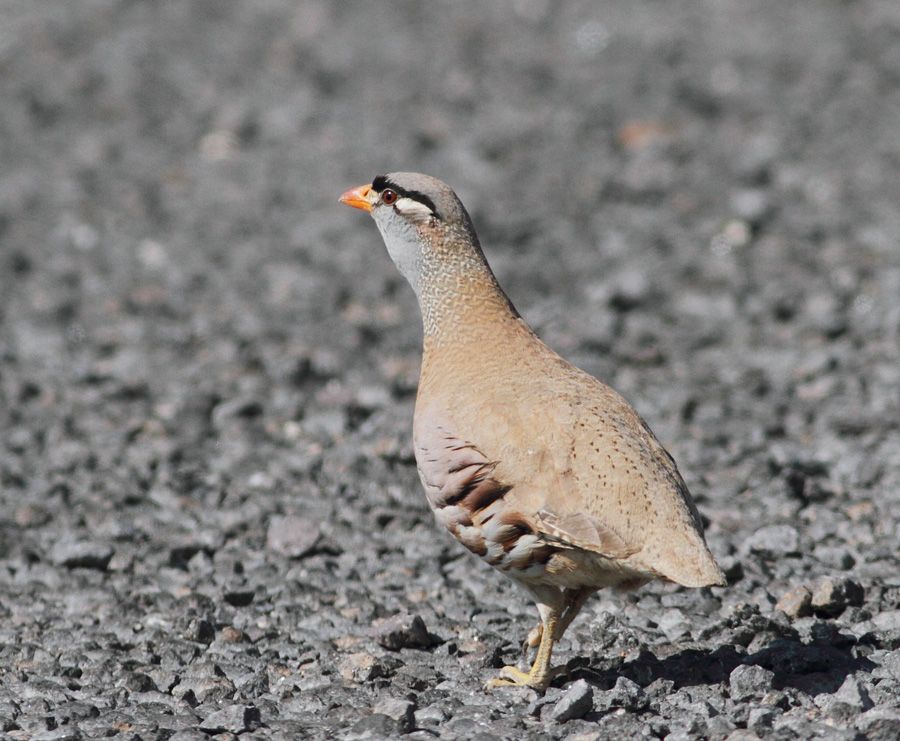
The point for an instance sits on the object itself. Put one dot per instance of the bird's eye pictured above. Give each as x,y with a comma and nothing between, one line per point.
388,197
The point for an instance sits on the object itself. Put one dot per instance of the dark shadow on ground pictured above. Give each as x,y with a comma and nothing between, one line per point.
810,667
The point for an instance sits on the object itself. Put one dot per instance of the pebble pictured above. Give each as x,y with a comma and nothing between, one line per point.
625,694
835,557
748,681
888,620
375,726
631,289
773,540
796,603
853,693
891,663
401,710
81,554
880,723
402,631
761,720
362,667
576,702
232,719
673,624
240,408
291,536
830,595
194,690
751,204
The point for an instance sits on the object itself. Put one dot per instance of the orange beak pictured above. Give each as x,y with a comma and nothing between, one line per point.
356,197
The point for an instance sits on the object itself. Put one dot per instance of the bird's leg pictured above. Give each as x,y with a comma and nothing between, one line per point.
540,675
575,599
533,640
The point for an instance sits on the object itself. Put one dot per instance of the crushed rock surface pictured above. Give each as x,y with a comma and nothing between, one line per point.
210,519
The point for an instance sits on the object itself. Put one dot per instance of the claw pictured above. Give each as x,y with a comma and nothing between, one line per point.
511,676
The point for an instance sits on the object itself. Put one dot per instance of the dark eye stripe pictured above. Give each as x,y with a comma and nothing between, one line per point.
381,182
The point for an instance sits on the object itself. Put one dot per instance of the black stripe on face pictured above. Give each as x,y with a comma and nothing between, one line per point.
382,182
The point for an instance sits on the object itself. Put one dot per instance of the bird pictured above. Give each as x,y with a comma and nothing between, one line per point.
534,465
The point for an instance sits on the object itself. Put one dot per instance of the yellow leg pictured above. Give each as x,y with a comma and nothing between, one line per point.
534,638
574,602
540,675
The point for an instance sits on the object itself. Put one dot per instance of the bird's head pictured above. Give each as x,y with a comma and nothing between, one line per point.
418,216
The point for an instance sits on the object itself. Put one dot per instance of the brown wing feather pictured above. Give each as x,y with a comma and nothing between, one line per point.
456,473
580,530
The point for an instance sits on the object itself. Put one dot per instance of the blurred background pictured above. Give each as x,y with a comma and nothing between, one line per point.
207,365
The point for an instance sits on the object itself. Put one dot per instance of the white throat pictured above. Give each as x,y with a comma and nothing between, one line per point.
404,247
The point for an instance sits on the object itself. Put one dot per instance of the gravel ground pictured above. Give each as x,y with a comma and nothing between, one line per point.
211,522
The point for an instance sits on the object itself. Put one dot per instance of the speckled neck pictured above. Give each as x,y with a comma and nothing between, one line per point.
458,294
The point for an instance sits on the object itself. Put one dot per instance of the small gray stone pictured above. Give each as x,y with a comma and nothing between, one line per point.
294,537
576,702
433,714
831,595
242,407
402,631
880,723
835,557
742,734
199,630
360,667
751,204
81,554
188,736
748,681
796,603
892,663
625,694
853,693
364,667
673,624
233,719
204,689
761,720
32,515
773,540
59,734
539,704
630,291
887,620
374,726
732,568
401,710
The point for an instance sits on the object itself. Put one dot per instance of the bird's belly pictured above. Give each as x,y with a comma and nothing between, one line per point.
526,557
574,568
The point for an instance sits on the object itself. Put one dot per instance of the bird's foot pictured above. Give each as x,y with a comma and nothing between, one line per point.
511,676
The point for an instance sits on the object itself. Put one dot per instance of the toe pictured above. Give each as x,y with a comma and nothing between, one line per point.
511,676
514,675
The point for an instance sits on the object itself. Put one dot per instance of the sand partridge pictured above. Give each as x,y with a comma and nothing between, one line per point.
535,466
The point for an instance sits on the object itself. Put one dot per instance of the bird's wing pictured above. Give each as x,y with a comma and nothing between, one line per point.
465,486
454,471
581,530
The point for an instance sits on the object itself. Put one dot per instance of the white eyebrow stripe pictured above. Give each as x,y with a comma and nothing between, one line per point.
411,207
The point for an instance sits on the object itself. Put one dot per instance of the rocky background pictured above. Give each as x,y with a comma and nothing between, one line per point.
211,523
